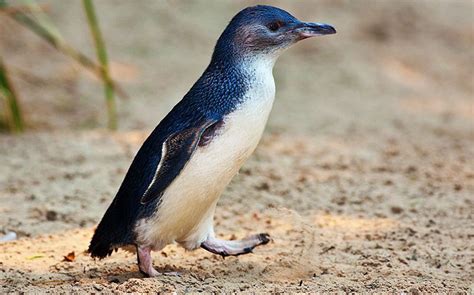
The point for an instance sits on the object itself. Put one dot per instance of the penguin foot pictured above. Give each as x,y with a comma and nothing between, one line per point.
235,248
145,262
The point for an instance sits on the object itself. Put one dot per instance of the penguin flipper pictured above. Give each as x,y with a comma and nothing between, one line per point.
176,151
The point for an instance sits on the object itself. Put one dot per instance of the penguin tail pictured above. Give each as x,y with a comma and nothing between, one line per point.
109,235
100,246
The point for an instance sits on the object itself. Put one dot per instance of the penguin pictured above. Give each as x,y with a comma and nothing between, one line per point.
171,189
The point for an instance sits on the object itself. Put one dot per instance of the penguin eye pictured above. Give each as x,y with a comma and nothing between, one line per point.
274,26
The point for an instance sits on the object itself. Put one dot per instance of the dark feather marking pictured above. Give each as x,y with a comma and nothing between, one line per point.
210,133
178,150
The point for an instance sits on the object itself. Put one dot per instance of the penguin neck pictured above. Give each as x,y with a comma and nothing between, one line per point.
229,82
258,64
244,61
250,68
258,73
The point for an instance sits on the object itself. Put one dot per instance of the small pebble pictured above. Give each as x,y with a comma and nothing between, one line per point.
396,210
9,236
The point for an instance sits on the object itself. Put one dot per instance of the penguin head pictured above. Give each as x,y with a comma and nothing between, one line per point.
265,30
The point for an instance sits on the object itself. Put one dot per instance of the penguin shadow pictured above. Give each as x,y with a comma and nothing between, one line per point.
234,271
121,275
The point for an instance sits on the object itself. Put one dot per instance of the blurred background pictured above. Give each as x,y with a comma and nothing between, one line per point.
371,133
403,57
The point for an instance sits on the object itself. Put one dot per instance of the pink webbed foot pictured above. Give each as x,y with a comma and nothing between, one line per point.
145,262
235,248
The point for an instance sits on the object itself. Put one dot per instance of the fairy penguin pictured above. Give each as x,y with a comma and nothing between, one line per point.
171,189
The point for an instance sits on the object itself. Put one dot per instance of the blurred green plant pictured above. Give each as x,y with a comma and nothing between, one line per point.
102,57
31,15
13,115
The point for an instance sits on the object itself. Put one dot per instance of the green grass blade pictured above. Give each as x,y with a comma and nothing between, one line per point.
42,18
103,60
55,40
14,117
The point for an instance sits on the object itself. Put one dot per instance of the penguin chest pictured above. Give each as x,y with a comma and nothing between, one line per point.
187,208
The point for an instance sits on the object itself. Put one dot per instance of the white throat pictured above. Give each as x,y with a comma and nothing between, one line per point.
262,84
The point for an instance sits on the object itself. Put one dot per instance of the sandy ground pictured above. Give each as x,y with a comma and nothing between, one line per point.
364,178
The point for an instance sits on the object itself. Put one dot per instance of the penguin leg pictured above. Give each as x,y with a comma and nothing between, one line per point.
145,262
234,248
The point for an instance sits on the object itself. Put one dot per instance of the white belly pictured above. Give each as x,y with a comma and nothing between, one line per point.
186,212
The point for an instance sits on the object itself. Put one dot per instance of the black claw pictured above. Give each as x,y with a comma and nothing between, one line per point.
224,254
264,238
248,250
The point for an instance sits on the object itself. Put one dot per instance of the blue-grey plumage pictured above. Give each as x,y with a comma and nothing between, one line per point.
171,189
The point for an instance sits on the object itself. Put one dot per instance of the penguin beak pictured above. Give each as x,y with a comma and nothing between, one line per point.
307,30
